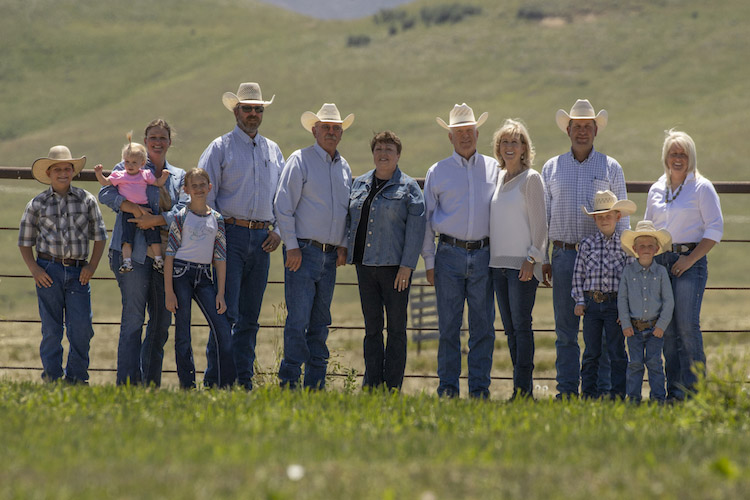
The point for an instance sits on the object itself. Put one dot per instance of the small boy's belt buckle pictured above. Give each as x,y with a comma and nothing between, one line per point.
642,325
598,296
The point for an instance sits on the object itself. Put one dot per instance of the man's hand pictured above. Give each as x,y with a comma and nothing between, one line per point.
547,275
271,243
431,276
579,310
340,256
293,259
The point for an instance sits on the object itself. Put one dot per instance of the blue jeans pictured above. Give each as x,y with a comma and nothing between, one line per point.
67,302
568,362
598,316
308,293
643,347
141,289
464,276
247,276
683,340
383,366
515,300
152,235
193,281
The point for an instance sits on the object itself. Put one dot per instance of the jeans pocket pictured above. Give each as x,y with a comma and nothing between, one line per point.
179,270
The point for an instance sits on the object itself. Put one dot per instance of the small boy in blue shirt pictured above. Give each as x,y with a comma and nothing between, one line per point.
645,303
596,278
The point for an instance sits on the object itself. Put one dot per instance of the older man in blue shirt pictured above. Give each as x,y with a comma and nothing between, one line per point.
244,168
311,207
457,192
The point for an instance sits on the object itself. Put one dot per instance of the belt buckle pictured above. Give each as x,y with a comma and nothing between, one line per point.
598,296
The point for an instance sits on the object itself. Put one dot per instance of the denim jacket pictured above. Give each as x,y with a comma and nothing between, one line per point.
397,224
109,196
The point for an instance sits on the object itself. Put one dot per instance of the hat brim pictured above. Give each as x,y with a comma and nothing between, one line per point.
309,119
40,166
625,207
563,119
628,237
230,101
477,124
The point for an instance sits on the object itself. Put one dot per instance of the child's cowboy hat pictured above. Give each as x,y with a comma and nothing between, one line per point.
462,116
328,113
581,110
606,201
248,93
57,154
645,228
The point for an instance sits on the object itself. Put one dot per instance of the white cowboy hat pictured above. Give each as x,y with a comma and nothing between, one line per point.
462,116
57,154
606,201
645,228
248,93
328,113
581,110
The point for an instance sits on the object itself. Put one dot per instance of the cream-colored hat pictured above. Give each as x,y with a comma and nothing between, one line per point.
606,201
645,228
248,93
57,154
328,113
462,116
581,110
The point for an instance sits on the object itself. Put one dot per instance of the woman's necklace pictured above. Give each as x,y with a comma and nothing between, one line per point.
379,182
671,197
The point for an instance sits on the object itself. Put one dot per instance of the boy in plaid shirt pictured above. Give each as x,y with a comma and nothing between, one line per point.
60,222
596,278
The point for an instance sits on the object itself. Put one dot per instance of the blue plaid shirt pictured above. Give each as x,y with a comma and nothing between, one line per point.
599,265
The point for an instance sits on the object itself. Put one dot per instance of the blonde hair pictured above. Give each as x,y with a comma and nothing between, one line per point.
514,128
685,142
133,149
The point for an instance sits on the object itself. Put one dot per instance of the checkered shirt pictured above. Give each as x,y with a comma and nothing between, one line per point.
599,265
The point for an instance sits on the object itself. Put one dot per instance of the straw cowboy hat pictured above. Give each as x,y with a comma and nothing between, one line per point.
462,116
248,93
645,228
581,110
606,201
328,113
57,154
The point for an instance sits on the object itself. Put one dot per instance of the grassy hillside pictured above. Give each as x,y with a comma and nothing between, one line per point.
84,72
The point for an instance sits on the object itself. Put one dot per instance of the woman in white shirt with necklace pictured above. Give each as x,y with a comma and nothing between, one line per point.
518,237
684,203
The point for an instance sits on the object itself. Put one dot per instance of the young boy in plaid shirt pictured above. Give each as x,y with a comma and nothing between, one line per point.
60,222
596,279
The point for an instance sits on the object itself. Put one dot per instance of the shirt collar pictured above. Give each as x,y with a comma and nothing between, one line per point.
615,238
463,161
573,158
324,154
238,132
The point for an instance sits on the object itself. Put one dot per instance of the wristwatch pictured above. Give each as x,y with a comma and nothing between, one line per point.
530,259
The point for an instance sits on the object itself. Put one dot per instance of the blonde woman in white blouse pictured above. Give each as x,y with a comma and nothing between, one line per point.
518,237
684,203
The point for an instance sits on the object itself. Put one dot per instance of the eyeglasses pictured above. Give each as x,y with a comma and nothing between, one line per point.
247,109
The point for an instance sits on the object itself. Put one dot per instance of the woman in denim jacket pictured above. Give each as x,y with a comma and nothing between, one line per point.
385,229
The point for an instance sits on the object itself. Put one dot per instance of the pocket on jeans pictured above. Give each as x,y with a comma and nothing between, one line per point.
179,270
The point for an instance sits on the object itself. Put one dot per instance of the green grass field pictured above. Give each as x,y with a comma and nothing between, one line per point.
108,442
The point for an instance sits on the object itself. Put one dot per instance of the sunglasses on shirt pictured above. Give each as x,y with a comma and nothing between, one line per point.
247,109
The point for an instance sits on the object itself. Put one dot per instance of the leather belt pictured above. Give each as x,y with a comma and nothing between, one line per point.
325,247
64,262
641,325
600,297
566,246
683,247
250,224
467,245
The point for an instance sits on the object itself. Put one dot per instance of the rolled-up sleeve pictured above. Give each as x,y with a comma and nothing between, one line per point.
428,243
710,207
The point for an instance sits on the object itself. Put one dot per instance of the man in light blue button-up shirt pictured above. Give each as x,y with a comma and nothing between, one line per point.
311,207
458,191
244,168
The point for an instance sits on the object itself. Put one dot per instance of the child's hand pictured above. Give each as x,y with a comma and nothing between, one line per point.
41,278
98,168
87,272
658,332
580,308
628,332
165,174
170,300
221,305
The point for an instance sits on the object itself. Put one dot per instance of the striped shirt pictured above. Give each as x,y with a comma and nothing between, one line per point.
570,184
62,225
204,237
598,265
245,174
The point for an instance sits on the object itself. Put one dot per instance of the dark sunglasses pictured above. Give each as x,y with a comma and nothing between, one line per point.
247,109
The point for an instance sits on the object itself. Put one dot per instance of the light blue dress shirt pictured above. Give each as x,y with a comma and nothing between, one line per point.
313,197
645,293
457,195
245,175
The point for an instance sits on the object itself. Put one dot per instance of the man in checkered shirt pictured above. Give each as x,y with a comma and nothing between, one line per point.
570,181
